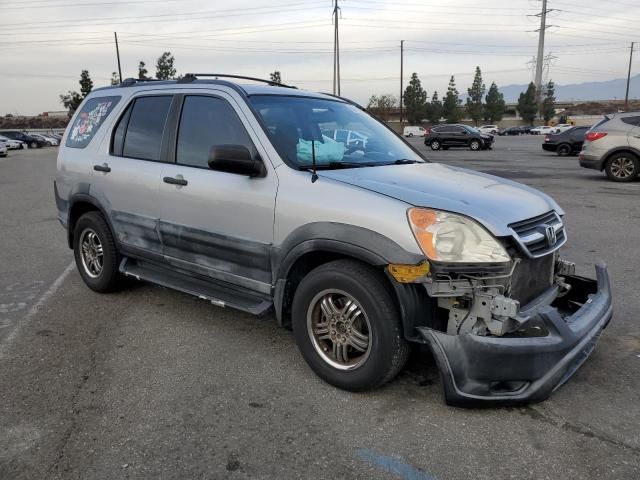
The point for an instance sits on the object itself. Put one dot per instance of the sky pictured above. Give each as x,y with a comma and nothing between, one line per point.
46,43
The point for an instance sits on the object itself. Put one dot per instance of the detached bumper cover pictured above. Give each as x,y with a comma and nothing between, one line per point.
480,370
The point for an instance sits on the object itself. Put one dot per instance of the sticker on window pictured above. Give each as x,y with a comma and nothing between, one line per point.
89,120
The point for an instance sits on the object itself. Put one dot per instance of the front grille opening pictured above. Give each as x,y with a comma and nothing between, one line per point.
531,234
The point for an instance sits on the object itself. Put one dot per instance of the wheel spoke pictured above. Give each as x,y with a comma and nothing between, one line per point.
358,343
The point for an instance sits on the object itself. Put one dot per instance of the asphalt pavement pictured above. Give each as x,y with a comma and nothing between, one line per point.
152,383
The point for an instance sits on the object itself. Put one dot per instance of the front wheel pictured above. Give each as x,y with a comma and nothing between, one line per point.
622,167
347,326
95,252
33,145
474,145
435,145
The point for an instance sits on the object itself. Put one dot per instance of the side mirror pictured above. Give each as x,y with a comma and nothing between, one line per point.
235,159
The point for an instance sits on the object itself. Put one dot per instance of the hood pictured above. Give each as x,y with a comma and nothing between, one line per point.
493,201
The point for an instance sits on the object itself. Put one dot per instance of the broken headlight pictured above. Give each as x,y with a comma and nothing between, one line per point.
447,237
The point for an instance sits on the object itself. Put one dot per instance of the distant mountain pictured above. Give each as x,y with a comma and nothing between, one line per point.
606,90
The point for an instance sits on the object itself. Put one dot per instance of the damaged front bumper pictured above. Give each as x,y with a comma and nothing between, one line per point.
529,364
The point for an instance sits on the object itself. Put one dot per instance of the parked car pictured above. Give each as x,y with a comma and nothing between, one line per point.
360,250
565,143
613,145
562,127
12,144
414,131
511,131
454,135
3,149
526,130
489,129
30,141
50,141
542,130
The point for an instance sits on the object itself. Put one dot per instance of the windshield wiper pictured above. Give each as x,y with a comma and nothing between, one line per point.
405,161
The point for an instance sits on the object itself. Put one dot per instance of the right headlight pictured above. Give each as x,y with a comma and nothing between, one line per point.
447,237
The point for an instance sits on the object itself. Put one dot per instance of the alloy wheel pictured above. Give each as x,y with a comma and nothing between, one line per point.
91,253
622,167
339,329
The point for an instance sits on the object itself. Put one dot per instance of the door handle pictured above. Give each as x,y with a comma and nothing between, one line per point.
102,168
636,136
175,180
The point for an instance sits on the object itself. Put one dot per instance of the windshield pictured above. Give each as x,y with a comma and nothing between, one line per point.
338,134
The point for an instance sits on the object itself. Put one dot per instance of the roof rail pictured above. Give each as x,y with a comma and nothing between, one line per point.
127,82
190,77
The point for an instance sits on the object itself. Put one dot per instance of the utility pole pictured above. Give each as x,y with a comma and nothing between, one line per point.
626,96
118,55
540,57
336,49
401,75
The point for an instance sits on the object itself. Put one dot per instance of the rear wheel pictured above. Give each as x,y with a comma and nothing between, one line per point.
347,326
435,145
622,167
411,134
563,150
95,252
33,144
474,145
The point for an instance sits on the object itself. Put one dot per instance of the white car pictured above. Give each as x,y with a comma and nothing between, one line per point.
489,129
12,144
414,131
563,127
3,149
543,130
50,140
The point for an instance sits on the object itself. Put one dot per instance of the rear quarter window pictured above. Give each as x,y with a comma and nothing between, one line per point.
89,120
635,121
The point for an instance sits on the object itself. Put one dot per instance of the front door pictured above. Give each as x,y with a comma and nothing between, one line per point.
214,223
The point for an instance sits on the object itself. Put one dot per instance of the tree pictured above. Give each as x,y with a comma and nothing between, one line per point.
434,110
142,71
549,102
415,100
451,107
115,78
494,104
164,67
73,99
527,107
474,98
275,77
382,106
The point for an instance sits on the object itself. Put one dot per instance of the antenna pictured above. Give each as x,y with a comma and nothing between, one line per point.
314,174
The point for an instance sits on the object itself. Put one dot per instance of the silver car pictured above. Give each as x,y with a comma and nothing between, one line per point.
232,192
613,145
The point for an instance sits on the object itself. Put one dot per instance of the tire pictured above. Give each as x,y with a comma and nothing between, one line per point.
563,150
622,167
33,144
333,284
474,145
411,135
107,278
435,145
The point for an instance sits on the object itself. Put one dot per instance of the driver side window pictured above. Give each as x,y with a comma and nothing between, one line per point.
207,122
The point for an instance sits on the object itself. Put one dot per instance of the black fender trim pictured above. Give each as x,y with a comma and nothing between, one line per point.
82,195
613,151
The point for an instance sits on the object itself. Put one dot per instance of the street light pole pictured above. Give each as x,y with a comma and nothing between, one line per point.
626,96
401,75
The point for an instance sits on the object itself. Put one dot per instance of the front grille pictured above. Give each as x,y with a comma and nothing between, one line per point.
540,235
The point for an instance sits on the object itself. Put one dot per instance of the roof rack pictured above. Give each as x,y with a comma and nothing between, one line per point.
190,77
127,82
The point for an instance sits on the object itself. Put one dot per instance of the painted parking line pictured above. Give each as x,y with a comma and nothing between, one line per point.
392,465
34,309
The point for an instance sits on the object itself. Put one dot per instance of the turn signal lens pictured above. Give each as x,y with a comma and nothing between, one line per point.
408,273
447,237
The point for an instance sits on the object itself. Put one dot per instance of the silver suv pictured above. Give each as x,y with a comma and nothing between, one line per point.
613,145
233,193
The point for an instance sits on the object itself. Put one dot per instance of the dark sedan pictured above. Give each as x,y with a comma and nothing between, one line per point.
456,135
566,143
31,142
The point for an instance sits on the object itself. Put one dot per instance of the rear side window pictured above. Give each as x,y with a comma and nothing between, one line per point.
206,122
635,121
89,119
140,129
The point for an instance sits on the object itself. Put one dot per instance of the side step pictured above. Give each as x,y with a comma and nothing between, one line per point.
218,293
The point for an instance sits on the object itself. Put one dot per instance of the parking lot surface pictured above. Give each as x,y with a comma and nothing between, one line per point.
152,383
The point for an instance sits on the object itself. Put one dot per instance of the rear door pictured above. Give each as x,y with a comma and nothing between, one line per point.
126,179
217,224
634,131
